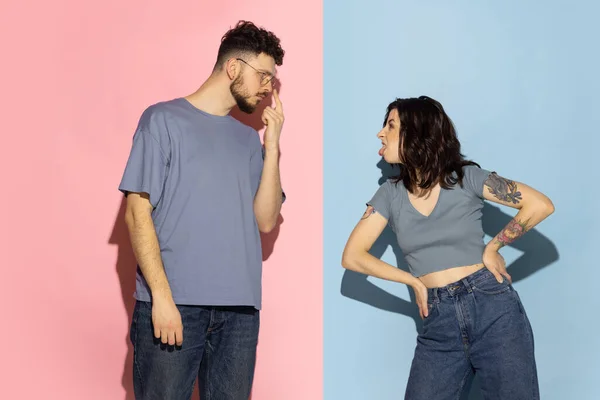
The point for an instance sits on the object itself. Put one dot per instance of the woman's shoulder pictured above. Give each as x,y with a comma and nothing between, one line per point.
470,172
473,179
471,168
393,184
395,188
475,171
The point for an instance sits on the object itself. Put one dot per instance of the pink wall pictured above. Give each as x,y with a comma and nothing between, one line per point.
78,76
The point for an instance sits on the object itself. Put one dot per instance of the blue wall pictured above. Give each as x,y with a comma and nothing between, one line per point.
520,79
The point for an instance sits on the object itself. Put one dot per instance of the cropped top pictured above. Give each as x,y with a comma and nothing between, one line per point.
451,236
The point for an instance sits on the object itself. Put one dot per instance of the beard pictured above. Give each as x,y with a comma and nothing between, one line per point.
241,96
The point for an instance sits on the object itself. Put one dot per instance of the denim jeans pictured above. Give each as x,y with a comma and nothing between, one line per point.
219,347
475,326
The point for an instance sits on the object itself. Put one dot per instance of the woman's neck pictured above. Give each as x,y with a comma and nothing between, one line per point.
418,191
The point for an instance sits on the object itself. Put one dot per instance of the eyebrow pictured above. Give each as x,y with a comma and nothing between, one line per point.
269,72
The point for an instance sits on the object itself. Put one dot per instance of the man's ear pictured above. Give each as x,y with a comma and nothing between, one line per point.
232,68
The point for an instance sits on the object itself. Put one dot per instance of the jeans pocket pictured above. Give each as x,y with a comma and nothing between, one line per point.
431,309
490,286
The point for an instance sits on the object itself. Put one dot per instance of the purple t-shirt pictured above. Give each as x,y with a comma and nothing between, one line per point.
202,172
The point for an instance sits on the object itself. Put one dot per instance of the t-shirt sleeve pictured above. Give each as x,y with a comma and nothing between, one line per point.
381,201
146,168
474,179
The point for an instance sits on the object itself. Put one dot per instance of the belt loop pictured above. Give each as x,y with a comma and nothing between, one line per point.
467,285
435,294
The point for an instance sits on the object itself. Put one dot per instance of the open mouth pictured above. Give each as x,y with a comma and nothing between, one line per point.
382,150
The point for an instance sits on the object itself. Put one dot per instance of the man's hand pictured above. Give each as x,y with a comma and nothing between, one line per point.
166,320
273,119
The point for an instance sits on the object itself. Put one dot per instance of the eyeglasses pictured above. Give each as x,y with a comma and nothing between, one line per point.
265,77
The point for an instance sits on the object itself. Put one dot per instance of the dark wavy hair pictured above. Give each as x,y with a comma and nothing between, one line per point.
428,144
246,37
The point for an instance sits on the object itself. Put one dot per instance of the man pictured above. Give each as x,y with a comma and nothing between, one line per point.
200,187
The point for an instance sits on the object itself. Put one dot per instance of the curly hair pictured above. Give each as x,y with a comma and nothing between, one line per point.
428,145
246,37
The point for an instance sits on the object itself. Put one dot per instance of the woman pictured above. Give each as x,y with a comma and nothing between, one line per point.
474,321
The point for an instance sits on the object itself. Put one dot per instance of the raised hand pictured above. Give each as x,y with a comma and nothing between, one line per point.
273,118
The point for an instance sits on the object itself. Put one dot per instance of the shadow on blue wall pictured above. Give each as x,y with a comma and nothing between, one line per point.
537,252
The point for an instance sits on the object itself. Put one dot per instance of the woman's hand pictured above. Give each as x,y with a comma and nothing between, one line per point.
421,297
496,264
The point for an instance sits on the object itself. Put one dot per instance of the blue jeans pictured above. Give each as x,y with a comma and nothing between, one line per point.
475,326
219,347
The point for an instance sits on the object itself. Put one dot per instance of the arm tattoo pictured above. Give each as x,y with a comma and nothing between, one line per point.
503,189
370,211
514,230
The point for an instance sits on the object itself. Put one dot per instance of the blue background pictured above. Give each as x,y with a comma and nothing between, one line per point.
520,81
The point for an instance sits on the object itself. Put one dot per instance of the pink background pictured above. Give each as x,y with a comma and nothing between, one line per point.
75,77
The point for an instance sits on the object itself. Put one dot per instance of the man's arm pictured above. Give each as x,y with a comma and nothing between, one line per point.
138,217
144,241
269,197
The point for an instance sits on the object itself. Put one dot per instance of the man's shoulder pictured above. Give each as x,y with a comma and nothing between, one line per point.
162,109
157,115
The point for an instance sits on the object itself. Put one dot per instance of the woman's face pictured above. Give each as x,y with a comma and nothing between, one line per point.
390,139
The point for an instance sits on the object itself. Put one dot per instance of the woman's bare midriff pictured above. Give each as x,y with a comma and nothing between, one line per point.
448,276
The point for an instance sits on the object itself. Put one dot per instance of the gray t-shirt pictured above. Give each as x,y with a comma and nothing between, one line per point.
451,236
202,172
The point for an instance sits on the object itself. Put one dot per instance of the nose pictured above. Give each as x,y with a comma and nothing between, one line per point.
380,134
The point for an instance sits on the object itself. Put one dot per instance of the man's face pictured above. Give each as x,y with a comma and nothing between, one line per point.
254,82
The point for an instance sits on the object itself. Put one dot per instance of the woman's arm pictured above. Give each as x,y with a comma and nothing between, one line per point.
533,208
356,256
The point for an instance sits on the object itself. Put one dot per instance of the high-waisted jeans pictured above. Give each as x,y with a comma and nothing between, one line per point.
475,326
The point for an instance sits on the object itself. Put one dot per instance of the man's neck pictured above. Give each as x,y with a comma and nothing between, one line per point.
213,97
